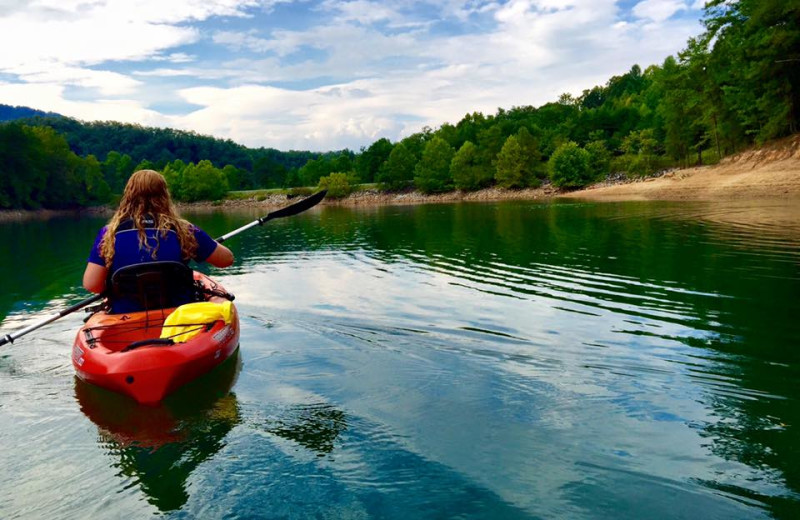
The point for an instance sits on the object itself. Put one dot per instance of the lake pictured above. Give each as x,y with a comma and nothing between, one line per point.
482,360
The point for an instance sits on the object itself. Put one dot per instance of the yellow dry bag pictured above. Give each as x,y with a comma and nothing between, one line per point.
187,320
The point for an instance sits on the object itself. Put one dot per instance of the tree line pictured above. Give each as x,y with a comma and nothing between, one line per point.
736,84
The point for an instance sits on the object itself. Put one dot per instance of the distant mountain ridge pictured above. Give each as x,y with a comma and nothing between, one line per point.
161,145
11,113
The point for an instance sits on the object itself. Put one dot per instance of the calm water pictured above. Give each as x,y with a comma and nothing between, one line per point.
511,360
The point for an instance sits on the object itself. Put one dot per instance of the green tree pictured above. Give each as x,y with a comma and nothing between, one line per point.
97,188
145,164
599,158
23,175
63,187
512,167
370,160
117,168
640,145
267,173
569,166
467,170
398,170
490,142
343,162
234,176
415,143
173,173
531,153
754,57
202,181
432,173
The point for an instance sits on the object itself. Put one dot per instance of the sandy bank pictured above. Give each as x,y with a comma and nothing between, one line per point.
770,172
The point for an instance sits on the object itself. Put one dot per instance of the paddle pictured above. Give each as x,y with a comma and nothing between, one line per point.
288,211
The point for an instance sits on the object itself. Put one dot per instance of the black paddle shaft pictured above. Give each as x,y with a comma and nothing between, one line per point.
9,338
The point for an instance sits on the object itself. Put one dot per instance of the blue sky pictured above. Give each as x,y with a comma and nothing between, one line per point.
321,74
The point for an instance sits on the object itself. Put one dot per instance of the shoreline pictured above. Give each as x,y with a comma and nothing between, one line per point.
770,172
19,215
378,198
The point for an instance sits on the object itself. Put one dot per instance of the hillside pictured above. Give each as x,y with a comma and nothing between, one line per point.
11,113
772,171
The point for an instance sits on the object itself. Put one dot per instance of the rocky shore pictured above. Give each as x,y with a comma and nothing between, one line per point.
378,198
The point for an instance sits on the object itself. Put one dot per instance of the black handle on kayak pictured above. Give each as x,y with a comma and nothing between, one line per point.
156,342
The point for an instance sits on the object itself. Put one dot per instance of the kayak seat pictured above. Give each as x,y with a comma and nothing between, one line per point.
151,285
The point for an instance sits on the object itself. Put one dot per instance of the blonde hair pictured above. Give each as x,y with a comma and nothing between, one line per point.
146,194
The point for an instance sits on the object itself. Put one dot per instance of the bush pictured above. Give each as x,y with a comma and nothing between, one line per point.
337,184
569,166
300,192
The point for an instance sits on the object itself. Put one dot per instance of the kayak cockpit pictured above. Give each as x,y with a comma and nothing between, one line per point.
147,355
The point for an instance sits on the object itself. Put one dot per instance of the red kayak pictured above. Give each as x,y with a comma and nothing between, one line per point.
126,353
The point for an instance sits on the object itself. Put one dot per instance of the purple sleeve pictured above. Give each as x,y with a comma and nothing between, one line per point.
205,244
94,254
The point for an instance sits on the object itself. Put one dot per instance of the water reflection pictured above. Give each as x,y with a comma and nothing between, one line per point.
159,447
562,360
314,426
674,313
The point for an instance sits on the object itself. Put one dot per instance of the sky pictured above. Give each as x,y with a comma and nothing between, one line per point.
321,74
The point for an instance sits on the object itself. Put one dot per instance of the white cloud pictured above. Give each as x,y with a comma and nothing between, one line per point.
175,57
239,40
362,11
50,97
104,82
394,69
56,40
658,10
257,115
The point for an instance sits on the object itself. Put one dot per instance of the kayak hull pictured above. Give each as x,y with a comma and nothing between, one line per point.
150,372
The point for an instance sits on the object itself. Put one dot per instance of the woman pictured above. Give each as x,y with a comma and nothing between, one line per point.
146,228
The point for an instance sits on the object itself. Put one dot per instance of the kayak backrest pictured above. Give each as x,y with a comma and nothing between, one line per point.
151,285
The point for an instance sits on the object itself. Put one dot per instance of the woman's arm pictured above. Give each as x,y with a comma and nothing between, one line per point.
94,278
221,257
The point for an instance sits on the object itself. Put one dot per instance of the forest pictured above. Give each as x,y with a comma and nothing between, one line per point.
735,85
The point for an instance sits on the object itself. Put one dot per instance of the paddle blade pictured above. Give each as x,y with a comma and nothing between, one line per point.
297,207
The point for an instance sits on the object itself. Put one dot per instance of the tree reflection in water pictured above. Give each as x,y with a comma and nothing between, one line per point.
159,447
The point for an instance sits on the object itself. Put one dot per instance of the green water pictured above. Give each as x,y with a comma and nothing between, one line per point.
498,360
